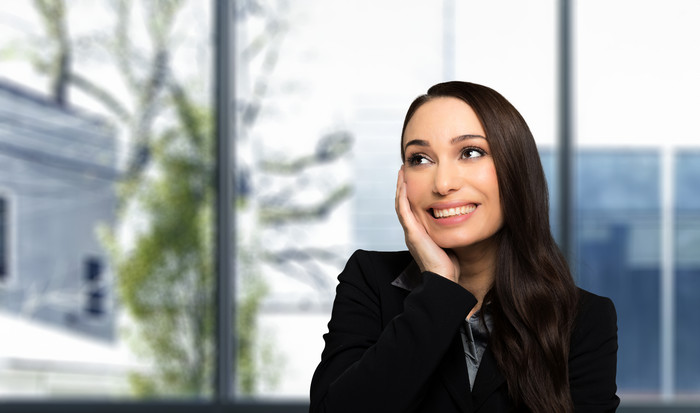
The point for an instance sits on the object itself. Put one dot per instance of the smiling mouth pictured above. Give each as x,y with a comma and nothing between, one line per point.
452,212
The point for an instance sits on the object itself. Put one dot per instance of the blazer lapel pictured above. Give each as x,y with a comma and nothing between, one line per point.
453,371
488,379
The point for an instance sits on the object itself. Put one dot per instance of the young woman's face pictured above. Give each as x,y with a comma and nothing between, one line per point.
450,176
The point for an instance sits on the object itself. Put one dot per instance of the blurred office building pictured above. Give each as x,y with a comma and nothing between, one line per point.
57,172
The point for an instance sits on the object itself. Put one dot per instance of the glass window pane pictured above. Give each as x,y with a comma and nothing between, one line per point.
636,99
106,171
618,255
687,261
323,87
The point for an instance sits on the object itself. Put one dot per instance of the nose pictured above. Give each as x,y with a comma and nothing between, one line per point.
447,179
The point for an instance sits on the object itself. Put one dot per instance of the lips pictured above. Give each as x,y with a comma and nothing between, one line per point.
452,211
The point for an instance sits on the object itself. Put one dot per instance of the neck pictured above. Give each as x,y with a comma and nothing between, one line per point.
477,265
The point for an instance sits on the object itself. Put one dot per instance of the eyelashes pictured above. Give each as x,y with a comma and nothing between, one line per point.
416,159
468,153
472,152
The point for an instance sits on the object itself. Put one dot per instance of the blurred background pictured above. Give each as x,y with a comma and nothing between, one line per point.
108,170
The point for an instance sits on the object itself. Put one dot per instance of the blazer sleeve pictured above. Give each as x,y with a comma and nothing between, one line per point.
368,367
593,356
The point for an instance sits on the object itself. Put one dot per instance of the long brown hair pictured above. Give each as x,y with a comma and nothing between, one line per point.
533,299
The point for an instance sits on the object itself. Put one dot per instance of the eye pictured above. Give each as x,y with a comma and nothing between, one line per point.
417,159
472,153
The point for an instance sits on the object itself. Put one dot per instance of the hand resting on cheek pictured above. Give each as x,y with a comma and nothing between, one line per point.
428,255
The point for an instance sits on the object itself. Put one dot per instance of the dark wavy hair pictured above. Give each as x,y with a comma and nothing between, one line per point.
533,299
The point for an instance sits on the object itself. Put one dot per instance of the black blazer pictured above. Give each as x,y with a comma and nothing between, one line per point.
394,346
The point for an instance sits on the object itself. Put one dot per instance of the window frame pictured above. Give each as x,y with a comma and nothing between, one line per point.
4,225
8,228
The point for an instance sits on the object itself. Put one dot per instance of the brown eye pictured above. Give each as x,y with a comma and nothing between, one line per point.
472,153
417,159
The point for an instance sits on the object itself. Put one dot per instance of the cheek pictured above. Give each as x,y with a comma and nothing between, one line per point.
415,190
488,180
491,187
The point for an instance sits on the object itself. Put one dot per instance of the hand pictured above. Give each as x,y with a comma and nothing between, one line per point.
428,255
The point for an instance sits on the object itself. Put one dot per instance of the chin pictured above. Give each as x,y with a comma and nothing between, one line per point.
457,242
454,243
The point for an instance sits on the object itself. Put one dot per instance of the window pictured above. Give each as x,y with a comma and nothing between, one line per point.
686,224
115,173
112,162
636,216
619,237
4,238
95,289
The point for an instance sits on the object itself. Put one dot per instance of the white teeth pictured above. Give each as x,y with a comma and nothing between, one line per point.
450,212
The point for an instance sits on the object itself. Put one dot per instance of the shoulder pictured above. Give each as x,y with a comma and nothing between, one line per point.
593,355
596,318
387,264
374,269
592,306
383,259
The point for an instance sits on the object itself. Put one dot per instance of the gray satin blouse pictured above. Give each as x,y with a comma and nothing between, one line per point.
475,333
475,337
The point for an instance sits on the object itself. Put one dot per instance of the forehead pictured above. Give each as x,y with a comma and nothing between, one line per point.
444,117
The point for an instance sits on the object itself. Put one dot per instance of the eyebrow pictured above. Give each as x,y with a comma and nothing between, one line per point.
421,142
465,137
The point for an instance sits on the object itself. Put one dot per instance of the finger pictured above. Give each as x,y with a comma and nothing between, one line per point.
399,181
408,219
403,207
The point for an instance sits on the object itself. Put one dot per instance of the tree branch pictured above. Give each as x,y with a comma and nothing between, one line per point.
102,95
329,148
251,108
123,49
53,14
285,215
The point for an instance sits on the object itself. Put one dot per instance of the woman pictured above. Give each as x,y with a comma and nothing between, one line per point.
481,314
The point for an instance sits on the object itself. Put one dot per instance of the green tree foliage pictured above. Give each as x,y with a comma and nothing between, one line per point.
166,278
165,273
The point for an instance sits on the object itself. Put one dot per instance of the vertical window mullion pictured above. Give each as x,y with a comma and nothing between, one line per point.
224,214
668,286
4,239
565,158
